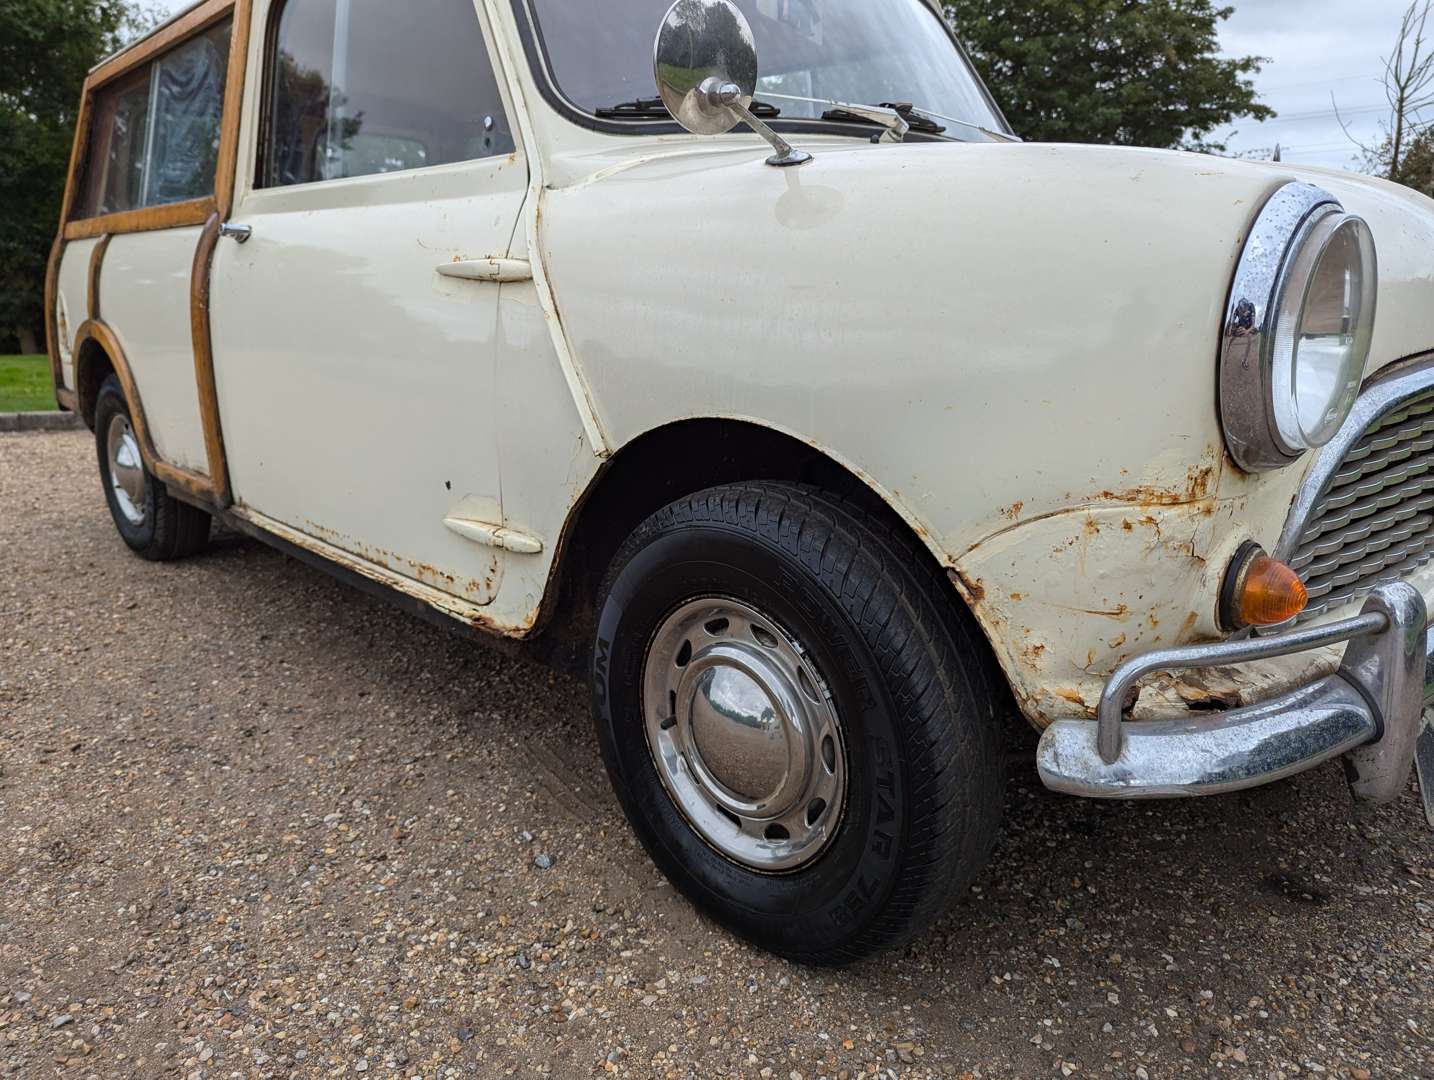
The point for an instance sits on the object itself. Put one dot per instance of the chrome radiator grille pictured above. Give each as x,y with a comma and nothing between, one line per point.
1374,522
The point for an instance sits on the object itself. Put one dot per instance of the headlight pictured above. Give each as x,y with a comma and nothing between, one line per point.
1297,329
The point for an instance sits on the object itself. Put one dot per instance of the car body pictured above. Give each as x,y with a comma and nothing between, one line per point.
466,383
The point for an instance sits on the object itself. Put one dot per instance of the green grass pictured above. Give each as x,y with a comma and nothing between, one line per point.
25,384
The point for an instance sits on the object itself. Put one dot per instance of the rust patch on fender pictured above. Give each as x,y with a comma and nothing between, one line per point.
1199,485
1073,697
1120,611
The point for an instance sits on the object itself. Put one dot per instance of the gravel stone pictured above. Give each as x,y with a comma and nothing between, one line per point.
249,811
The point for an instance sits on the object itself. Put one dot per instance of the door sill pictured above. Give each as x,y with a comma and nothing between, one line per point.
446,603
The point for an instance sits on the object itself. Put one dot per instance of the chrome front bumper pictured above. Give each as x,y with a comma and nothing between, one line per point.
1371,709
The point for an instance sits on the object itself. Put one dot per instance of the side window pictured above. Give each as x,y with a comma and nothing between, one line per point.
114,167
154,136
357,87
188,109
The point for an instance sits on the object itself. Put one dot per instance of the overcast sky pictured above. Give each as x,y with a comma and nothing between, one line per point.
1316,48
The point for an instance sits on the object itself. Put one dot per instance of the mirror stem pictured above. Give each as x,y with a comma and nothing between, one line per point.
730,94
786,154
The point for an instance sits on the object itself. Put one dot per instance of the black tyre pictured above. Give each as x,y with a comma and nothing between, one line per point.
799,721
153,523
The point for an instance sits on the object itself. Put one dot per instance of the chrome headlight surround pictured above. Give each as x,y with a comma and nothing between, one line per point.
1266,388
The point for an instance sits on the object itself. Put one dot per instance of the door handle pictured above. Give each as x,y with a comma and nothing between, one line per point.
490,269
238,233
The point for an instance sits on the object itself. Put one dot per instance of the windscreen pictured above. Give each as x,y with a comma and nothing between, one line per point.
855,51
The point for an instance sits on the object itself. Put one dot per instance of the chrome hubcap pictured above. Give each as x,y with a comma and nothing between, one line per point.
744,734
127,478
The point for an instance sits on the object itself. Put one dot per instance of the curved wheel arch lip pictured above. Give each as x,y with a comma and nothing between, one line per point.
996,580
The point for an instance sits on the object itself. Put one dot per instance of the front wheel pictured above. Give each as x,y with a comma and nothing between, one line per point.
800,727
152,522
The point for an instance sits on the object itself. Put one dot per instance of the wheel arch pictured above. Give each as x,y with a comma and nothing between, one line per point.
98,354
93,364
677,459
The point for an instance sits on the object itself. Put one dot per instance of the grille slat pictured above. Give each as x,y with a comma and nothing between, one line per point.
1375,523
1419,439
1377,541
1383,500
1355,532
1380,481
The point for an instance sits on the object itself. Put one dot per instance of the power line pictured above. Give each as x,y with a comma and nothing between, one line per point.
1323,114
1317,147
1319,82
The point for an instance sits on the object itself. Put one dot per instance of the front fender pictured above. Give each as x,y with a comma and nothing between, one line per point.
1016,344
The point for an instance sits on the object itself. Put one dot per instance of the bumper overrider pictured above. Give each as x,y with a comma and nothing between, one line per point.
1371,711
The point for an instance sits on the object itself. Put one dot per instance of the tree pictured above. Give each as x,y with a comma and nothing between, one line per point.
1415,167
46,48
1409,89
1129,72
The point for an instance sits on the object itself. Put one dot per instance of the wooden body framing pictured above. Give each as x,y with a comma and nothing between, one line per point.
209,212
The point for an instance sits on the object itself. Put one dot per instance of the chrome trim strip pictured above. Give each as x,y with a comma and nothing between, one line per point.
1381,397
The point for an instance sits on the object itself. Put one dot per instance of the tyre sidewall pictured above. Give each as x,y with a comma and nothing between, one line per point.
838,896
111,402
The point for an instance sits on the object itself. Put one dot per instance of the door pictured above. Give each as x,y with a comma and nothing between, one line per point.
355,375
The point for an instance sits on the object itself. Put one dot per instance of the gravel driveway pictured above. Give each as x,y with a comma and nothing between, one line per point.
255,824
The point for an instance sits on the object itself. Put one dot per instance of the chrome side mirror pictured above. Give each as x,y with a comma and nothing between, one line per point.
705,61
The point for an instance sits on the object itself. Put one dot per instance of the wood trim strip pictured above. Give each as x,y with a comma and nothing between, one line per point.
171,216
226,170
192,483
225,182
57,250
204,361
167,36
77,154
97,259
52,329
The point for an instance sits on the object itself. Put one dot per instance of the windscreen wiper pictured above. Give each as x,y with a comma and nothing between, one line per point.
896,117
886,115
653,108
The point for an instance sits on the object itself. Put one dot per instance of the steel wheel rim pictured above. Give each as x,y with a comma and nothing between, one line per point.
127,479
744,734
